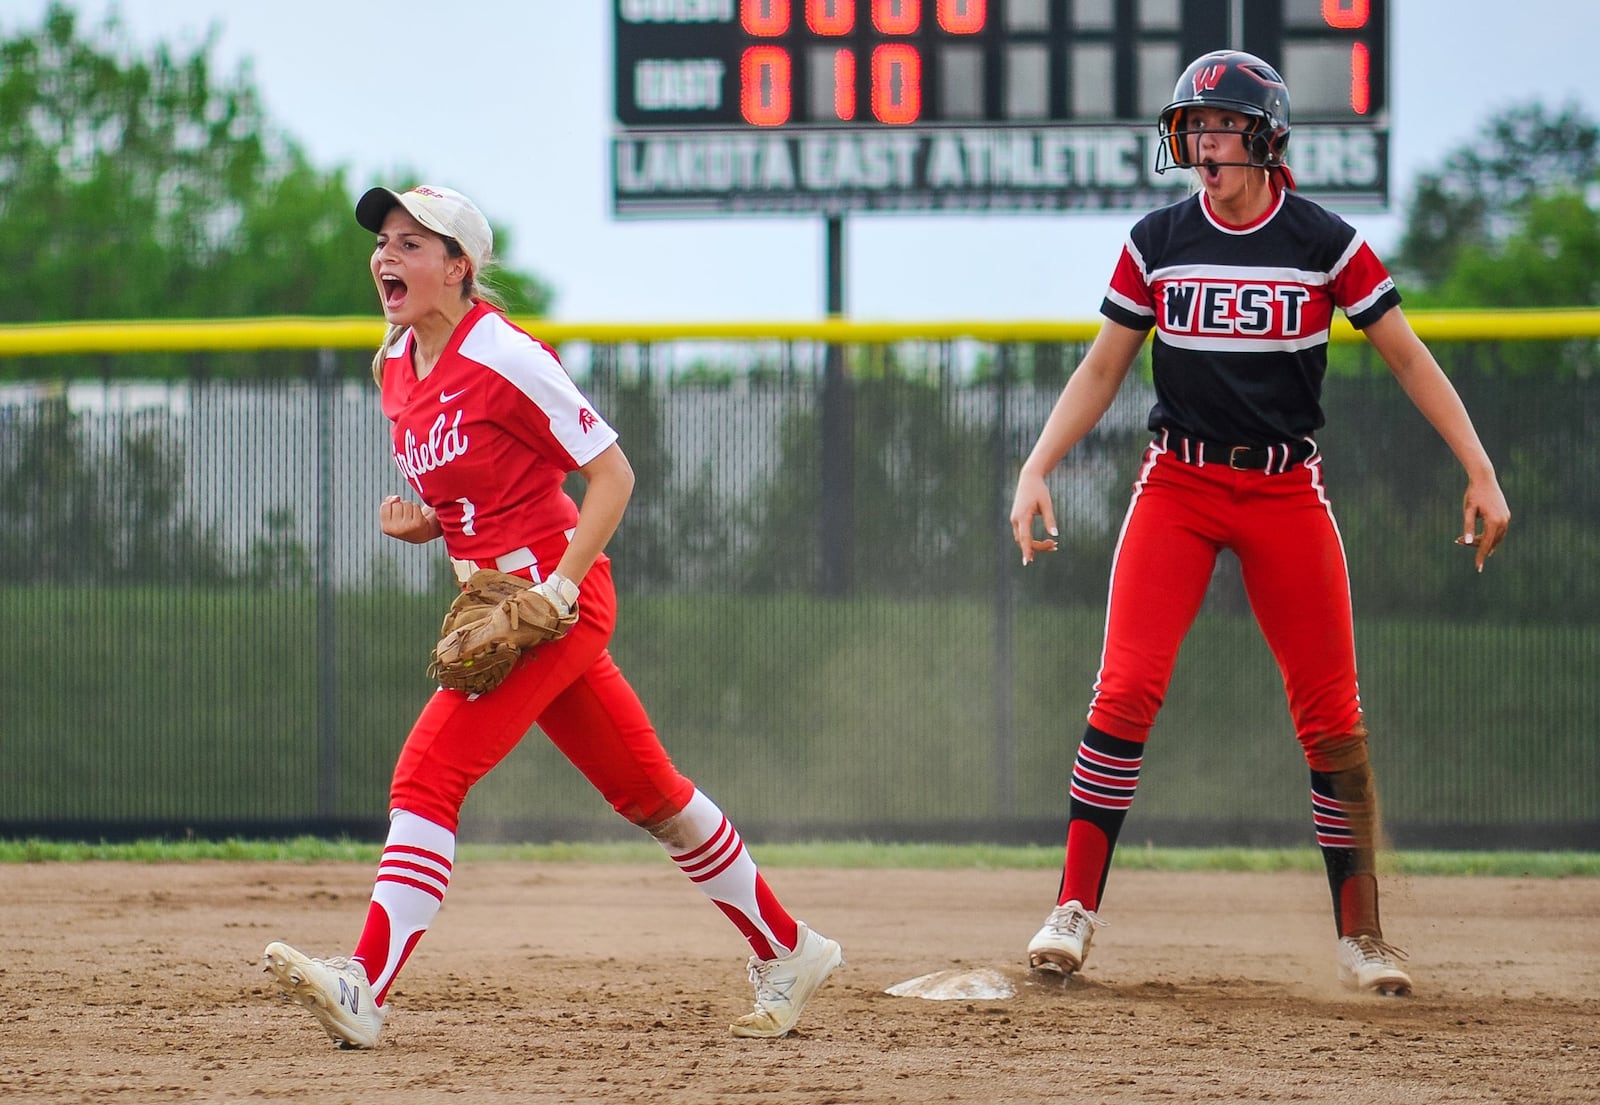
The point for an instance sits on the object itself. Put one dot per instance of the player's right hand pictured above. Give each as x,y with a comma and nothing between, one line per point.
1032,501
407,521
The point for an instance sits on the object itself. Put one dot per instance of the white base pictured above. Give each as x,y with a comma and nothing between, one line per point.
984,983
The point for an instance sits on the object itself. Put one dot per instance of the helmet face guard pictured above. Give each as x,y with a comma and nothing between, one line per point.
1229,80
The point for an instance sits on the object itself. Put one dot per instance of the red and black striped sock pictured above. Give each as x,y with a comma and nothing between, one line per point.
1104,778
1343,816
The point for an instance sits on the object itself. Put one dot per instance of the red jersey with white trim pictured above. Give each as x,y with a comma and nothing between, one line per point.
488,436
1242,313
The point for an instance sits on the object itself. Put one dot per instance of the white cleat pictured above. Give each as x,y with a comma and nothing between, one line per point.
335,990
1366,963
783,986
1061,946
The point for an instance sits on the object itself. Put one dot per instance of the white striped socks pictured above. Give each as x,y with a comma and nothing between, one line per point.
413,876
708,849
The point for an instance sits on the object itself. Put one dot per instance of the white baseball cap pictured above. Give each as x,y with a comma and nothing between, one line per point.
442,210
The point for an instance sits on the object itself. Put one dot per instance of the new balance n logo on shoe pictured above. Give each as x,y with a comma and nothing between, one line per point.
349,997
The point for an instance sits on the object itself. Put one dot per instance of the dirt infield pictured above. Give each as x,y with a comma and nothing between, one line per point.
579,982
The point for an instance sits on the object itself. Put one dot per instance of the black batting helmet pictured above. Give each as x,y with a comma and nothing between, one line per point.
1235,81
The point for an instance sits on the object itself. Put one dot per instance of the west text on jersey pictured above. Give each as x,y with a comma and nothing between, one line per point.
1206,307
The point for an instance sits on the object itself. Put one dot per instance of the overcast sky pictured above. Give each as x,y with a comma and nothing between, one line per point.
511,102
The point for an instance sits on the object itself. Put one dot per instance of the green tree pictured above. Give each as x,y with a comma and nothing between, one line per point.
1482,193
142,184
1551,258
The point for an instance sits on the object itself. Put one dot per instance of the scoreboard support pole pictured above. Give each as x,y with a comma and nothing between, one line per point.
1002,480
837,553
834,265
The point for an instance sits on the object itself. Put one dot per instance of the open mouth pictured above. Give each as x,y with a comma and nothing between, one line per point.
393,291
1211,171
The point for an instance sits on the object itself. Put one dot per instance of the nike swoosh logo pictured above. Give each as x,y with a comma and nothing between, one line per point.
448,397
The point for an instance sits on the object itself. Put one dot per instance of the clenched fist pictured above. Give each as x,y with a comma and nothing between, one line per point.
408,521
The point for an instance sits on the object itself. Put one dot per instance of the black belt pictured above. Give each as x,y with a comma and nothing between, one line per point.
1245,458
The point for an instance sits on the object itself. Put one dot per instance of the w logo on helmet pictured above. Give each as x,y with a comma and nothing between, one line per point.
1205,80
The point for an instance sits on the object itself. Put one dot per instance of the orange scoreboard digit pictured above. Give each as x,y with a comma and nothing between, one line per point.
746,106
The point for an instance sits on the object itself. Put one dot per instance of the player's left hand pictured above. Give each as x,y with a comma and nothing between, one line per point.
1484,501
495,620
1032,501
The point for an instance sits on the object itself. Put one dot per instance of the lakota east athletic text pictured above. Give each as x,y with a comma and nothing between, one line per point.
984,167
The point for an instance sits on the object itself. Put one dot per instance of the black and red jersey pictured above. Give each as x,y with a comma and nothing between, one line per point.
1242,313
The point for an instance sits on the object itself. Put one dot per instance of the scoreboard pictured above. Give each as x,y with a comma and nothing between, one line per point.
828,106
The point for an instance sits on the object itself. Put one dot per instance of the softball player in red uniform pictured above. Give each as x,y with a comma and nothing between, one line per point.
1239,281
486,425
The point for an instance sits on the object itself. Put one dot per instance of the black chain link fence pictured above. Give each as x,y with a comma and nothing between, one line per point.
206,634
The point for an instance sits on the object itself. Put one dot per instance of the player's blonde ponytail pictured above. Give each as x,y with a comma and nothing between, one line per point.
383,353
483,286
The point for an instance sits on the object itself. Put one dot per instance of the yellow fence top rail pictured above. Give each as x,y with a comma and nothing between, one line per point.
215,335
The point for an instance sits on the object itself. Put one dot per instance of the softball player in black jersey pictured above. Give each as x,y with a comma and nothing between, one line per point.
1240,282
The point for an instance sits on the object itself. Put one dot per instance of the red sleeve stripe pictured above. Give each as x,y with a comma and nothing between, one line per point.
1366,301
1130,283
1359,279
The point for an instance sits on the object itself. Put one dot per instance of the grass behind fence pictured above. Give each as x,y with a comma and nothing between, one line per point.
831,854
204,705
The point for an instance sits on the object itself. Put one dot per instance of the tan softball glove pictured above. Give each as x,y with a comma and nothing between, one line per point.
495,620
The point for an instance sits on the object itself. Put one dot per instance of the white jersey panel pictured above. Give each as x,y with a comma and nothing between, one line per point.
1242,274
533,370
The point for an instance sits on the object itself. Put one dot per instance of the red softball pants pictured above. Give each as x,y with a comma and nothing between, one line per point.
575,693
1282,530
